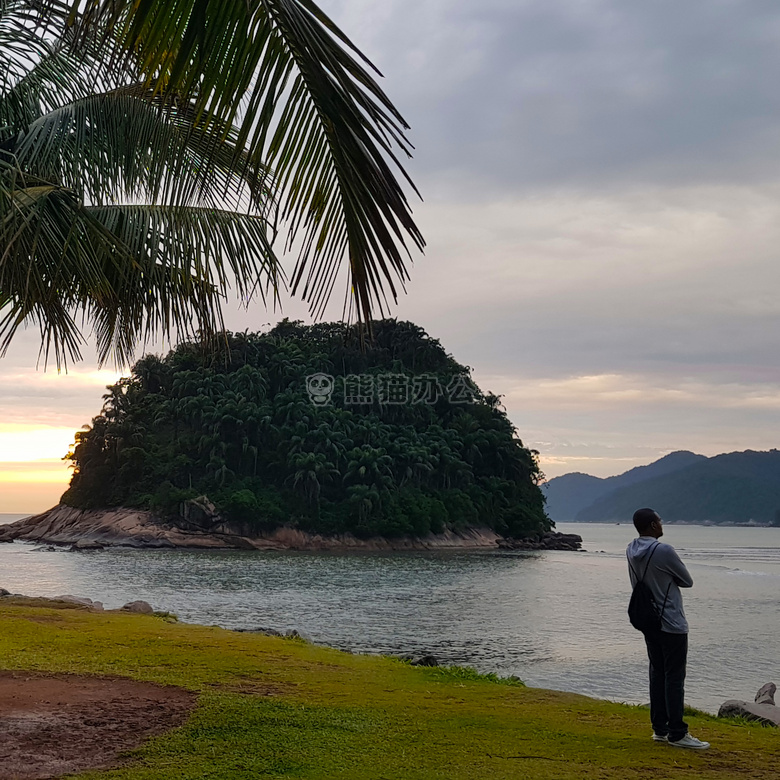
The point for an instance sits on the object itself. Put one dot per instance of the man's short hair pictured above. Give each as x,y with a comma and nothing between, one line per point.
643,518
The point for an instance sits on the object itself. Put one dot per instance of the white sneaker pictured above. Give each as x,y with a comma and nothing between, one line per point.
690,742
660,738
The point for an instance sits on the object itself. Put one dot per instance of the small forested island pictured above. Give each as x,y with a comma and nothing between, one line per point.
314,428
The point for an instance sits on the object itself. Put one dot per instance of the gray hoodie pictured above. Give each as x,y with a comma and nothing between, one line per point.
666,574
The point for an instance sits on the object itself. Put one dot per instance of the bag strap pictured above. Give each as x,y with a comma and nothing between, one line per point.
650,558
655,547
665,598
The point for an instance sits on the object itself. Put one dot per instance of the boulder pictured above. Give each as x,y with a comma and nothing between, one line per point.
86,544
4,592
558,541
549,541
767,714
425,660
265,631
763,709
199,514
142,607
97,605
294,634
766,694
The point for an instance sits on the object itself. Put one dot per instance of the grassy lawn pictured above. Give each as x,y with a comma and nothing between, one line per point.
281,708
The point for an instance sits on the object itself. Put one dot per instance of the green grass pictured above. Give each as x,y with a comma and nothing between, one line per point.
272,708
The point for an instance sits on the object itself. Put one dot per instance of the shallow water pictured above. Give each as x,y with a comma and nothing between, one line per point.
556,619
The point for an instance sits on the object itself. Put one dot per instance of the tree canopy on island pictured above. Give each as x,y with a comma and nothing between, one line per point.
306,425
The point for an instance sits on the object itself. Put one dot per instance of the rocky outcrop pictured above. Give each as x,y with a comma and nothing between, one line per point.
763,709
79,602
84,602
141,607
86,544
201,527
260,630
766,694
470,539
200,514
419,660
128,527
549,541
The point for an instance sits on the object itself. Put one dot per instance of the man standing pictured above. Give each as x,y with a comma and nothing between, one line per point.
659,566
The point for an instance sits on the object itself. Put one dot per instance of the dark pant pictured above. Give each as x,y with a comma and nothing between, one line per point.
668,654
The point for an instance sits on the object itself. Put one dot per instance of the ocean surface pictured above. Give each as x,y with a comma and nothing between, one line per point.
555,619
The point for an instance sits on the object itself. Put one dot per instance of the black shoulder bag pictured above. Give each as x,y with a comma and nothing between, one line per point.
643,611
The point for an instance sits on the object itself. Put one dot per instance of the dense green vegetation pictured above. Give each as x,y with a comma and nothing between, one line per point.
276,708
235,421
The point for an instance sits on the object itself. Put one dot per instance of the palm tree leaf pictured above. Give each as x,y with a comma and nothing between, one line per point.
52,253
130,144
28,29
45,75
128,271
220,248
307,107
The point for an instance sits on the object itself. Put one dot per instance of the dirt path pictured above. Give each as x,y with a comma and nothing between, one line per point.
54,725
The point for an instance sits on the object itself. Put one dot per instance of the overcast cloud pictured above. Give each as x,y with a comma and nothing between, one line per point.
602,208
517,95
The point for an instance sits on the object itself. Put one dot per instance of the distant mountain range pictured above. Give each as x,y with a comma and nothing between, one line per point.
737,487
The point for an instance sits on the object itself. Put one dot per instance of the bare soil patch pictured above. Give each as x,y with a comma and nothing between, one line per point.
51,725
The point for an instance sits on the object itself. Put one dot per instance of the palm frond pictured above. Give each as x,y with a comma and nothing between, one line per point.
130,144
305,106
27,30
39,68
54,78
220,247
51,253
128,272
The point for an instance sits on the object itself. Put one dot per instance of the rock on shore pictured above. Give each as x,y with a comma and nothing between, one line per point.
200,526
763,709
91,528
550,541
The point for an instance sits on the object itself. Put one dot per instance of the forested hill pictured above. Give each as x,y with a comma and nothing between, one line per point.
569,494
737,487
303,425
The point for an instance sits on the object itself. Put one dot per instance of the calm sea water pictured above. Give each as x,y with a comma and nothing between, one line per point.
555,619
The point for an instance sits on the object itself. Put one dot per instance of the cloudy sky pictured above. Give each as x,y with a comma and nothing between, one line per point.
601,185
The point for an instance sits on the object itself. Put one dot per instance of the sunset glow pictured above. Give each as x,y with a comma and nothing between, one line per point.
32,472
23,443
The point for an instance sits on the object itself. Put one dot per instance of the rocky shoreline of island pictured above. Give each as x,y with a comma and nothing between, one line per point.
202,528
